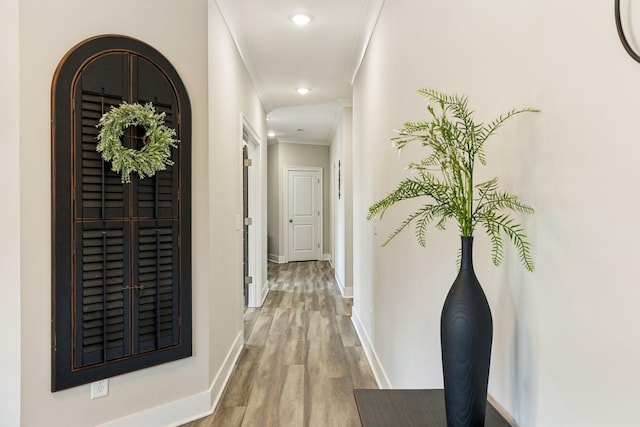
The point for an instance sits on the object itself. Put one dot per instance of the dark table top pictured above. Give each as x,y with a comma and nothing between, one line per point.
408,408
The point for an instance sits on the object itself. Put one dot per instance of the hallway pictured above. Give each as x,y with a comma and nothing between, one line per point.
301,359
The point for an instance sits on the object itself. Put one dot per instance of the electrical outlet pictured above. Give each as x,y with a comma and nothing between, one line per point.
99,389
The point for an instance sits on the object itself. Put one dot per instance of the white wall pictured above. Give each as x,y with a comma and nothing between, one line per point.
342,208
10,216
47,31
565,337
273,184
336,159
231,92
189,34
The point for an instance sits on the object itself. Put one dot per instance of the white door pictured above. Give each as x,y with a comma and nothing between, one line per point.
304,208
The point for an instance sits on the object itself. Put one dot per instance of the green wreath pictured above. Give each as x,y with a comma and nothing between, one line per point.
154,156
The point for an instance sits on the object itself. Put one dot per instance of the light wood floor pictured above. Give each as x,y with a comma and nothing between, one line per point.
301,359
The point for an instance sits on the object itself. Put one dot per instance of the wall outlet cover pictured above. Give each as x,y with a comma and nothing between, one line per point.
99,389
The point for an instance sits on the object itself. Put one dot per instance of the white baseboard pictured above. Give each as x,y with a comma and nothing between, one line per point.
190,408
265,292
378,371
506,415
258,293
222,376
346,291
276,258
168,414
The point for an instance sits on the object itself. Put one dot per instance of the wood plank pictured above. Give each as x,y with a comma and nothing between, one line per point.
361,374
329,403
291,404
301,358
260,331
347,331
228,417
239,386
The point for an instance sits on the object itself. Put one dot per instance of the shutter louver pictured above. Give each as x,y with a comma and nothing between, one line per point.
102,321
157,194
157,270
101,191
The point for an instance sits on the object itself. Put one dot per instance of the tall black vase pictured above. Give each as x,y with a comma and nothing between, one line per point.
466,332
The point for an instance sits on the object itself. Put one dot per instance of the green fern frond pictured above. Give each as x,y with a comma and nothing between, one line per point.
407,189
497,247
493,200
490,129
423,211
496,224
421,227
487,186
453,143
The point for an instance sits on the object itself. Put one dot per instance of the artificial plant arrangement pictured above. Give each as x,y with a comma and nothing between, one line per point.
155,155
455,142
445,177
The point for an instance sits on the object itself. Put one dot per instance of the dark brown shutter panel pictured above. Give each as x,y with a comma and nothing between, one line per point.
156,273
157,195
99,190
122,273
102,316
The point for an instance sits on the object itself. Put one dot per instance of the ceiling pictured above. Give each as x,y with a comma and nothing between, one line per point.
323,56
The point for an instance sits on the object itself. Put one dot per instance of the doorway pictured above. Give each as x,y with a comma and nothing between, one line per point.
245,228
254,284
303,207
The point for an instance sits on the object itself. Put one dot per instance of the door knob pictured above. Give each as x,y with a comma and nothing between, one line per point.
290,220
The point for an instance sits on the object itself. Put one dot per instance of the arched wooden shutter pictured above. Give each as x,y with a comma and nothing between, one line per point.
121,252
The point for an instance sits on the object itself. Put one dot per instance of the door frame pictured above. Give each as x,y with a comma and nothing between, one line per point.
285,210
258,289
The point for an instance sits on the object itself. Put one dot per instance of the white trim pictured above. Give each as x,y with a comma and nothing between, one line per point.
224,373
182,411
340,283
341,104
265,291
378,371
278,259
500,409
258,288
285,209
170,414
346,291
324,143
231,17
371,15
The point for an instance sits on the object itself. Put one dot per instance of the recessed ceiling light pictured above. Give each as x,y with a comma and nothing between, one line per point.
300,19
303,90
271,134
